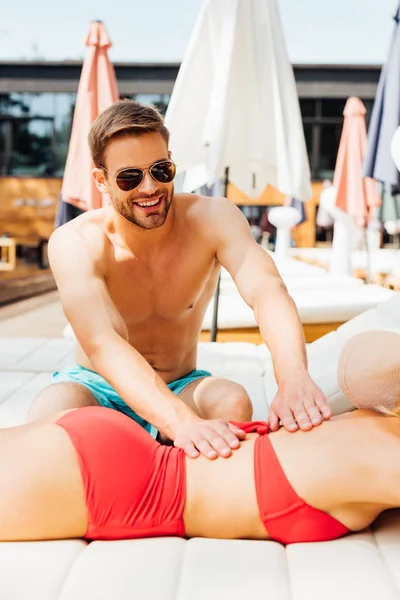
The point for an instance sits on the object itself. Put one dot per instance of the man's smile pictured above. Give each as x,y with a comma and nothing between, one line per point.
148,205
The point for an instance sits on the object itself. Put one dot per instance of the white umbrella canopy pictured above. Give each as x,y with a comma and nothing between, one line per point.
235,103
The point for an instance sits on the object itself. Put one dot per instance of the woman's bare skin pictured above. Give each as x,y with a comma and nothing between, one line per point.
354,475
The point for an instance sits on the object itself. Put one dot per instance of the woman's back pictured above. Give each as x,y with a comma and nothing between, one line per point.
349,467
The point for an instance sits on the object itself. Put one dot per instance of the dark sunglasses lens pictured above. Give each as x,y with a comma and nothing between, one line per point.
164,172
129,179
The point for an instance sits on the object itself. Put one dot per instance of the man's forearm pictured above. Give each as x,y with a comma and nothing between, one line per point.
138,384
281,329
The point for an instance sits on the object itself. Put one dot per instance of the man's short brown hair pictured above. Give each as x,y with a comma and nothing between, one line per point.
125,117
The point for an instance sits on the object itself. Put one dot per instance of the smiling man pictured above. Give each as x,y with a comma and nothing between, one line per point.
135,279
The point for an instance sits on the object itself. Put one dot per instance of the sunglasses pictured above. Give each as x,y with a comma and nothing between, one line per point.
163,171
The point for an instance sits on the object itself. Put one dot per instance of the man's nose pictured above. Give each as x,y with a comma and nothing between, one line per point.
147,185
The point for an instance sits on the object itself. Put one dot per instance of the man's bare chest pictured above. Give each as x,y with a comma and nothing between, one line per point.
165,289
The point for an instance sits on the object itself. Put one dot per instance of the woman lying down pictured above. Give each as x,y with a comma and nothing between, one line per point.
94,473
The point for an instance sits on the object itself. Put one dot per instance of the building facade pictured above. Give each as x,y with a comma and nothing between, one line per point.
37,101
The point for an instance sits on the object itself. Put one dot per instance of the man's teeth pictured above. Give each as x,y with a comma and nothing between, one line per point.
152,203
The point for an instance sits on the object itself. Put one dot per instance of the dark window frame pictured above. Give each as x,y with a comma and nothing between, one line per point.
53,167
6,169
317,122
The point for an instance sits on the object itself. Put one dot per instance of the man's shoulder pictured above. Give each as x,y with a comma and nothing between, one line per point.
85,231
207,215
91,221
197,205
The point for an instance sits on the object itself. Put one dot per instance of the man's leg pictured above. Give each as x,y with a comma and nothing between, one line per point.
58,397
218,398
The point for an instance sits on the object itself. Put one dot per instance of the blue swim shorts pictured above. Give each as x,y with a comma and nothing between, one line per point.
108,397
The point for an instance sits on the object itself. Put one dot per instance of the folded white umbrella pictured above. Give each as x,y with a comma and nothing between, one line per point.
235,103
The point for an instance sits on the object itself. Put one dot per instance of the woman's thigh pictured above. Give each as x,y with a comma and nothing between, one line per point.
41,490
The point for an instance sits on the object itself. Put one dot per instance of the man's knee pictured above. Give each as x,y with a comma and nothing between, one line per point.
240,402
58,397
223,399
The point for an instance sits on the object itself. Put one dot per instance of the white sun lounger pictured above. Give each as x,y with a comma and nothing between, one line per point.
383,260
325,303
362,566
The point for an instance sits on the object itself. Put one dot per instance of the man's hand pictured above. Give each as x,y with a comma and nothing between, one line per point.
212,438
299,402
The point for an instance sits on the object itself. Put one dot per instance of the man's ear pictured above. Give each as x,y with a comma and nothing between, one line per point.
100,180
169,153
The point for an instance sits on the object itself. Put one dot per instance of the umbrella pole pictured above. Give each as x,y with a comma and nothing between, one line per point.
214,324
368,274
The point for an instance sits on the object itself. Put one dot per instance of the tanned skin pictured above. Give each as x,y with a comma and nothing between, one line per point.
135,283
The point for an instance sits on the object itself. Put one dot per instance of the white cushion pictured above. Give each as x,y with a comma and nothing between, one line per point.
37,570
329,306
383,260
306,283
315,305
361,566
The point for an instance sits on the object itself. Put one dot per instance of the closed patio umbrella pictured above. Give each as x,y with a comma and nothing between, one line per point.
356,195
385,117
96,91
235,105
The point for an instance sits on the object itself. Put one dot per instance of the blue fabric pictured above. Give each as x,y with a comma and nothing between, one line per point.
108,397
299,205
385,117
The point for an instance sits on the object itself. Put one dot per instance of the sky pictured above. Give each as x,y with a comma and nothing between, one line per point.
316,31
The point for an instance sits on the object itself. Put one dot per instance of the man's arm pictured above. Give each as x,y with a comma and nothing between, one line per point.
103,336
261,287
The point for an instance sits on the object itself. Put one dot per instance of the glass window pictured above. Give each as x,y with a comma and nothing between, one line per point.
307,107
329,144
35,133
32,147
22,105
13,104
160,101
369,104
4,102
35,130
5,146
64,106
251,211
332,107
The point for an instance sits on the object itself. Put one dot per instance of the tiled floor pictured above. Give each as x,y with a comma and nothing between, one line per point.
31,348
41,316
26,367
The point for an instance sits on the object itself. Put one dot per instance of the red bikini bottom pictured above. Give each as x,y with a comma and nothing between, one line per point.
287,518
